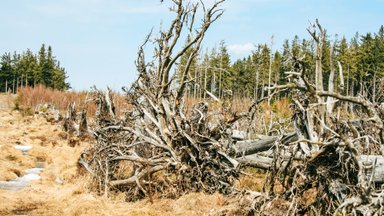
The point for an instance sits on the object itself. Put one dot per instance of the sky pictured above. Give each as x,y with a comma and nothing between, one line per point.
97,40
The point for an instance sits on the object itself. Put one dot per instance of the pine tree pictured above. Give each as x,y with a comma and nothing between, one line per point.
366,65
48,67
225,73
27,69
28,63
16,71
6,72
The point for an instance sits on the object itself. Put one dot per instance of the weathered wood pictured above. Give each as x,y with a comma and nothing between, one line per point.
157,135
378,169
367,161
335,172
331,82
239,135
256,161
83,125
249,147
69,123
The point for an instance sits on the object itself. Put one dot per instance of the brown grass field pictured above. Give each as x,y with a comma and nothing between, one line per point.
73,195
29,97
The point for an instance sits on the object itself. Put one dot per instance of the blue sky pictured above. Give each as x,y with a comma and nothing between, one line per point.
97,40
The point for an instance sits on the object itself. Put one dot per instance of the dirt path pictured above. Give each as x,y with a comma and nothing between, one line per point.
61,189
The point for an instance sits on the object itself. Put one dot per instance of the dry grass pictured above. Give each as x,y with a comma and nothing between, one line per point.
279,110
9,157
30,97
73,196
74,199
237,104
254,180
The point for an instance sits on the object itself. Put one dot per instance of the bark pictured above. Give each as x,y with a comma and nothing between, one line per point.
256,161
249,147
167,151
331,83
374,167
334,160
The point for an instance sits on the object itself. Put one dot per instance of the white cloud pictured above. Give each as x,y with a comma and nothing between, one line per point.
241,49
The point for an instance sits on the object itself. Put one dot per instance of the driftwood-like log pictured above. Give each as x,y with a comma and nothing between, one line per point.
256,161
373,165
249,147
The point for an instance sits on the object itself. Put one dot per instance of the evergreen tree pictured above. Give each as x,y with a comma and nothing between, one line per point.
225,73
27,69
6,72
48,68
28,64
362,61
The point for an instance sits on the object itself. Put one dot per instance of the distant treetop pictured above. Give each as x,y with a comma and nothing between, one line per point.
29,69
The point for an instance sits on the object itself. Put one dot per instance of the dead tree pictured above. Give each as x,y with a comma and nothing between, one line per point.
69,121
157,148
319,38
340,169
74,126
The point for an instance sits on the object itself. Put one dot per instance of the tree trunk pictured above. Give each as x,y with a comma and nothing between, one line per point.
220,76
270,74
374,87
249,147
13,85
320,42
257,83
331,83
213,82
195,85
205,81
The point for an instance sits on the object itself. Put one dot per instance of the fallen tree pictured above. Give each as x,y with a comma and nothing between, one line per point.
249,147
339,162
155,149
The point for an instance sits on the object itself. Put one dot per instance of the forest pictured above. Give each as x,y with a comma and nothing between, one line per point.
361,60
30,69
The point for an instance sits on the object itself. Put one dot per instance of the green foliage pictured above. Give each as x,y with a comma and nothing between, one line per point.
361,58
28,69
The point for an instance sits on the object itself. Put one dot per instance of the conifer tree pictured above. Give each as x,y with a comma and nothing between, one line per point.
28,69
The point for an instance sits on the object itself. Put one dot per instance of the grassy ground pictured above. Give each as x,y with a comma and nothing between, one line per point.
72,196
29,97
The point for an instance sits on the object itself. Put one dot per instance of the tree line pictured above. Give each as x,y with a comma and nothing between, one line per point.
29,69
360,60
